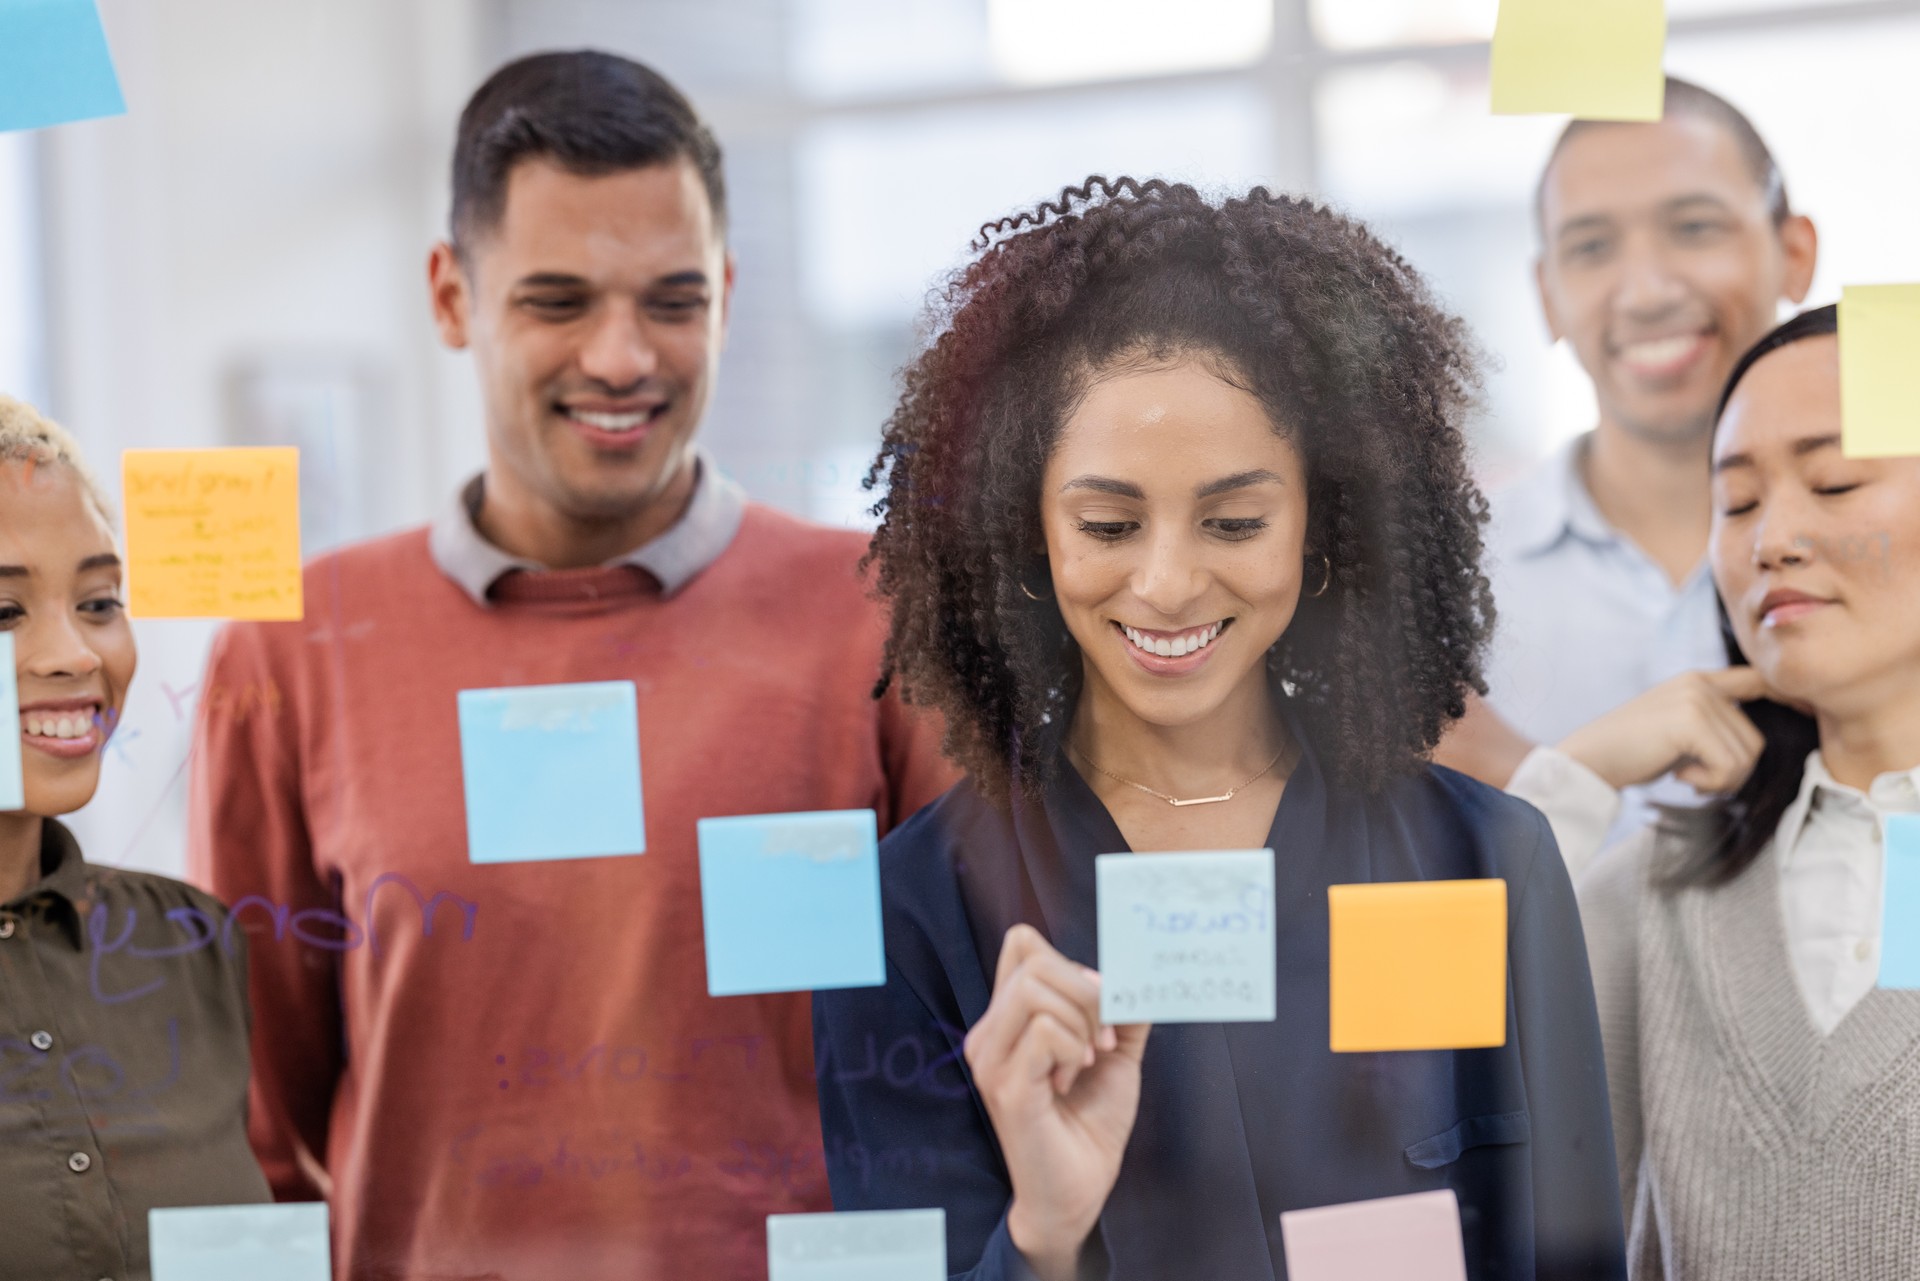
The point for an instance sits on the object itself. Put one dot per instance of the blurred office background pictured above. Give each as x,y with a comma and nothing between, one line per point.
240,259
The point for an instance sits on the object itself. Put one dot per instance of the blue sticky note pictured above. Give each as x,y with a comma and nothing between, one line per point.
13,792
54,65
791,902
1900,910
551,771
241,1242
858,1245
1186,938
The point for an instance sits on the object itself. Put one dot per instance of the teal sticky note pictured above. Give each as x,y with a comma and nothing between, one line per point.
241,1242
1900,905
791,902
13,792
551,771
55,66
858,1245
1186,938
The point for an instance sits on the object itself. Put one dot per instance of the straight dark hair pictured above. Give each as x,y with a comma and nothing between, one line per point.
590,112
1725,836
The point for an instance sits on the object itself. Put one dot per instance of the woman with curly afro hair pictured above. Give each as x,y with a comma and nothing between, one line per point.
1178,535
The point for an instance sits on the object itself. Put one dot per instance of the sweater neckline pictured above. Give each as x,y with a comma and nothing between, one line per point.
572,586
1800,1073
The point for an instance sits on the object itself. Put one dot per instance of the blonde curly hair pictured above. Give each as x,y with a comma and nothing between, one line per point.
28,436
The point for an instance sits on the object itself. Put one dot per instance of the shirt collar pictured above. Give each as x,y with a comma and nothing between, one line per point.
63,880
1897,792
1551,503
674,558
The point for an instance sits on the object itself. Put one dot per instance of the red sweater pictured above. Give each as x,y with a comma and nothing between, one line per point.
514,1071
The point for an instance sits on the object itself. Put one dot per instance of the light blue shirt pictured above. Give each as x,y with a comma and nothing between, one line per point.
1587,620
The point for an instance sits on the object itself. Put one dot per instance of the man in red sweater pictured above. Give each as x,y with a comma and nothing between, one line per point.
513,1070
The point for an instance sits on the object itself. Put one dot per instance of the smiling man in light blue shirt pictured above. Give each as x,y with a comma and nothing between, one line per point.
1666,250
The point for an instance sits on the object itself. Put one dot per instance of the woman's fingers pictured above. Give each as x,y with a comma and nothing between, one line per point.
1033,980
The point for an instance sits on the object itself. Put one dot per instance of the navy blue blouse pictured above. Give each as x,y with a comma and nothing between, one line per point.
1238,1122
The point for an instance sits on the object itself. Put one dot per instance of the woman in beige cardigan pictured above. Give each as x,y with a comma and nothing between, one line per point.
1766,1093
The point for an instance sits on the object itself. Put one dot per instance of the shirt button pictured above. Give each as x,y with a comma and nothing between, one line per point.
1863,949
41,1040
79,1162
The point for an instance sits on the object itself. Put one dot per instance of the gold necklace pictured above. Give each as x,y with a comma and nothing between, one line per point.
1192,800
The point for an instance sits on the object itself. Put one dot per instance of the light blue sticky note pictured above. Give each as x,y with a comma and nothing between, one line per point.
13,792
1900,912
54,65
791,902
1186,938
858,1245
241,1242
551,771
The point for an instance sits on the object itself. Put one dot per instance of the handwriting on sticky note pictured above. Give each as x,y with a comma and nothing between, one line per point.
859,1245
1594,59
1900,904
1418,965
55,66
1398,1238
240,1242
552,771
1186,938
791,902
13,792
213,533
1880,371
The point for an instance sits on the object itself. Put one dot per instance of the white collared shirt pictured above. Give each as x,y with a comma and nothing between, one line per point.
1586,619
1830,847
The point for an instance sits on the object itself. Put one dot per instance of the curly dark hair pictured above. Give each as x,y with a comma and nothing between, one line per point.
1355,363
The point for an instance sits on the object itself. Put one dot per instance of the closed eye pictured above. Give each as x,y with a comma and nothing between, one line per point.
1238,529
1108,530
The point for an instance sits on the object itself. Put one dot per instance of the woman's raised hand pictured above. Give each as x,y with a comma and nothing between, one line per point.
1691,725
1062,1092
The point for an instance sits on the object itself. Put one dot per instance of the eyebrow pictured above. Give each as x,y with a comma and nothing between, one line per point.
1800,449
105,560
562,280
1127,489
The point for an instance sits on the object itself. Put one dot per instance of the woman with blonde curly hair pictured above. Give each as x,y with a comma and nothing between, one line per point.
1178,533
123,995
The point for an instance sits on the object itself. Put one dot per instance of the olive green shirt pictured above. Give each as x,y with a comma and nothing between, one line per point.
123,1065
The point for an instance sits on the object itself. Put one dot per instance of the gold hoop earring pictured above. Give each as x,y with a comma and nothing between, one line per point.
1326,578
1028,591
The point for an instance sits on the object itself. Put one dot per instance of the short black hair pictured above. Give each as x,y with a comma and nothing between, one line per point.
591,113
1684,98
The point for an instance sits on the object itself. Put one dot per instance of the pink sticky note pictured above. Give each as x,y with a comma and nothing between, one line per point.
1397,1238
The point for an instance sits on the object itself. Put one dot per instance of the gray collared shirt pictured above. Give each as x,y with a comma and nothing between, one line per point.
1587,620
674,558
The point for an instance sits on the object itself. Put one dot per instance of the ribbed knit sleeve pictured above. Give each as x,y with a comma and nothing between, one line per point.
1577,1223
1611,903
248,844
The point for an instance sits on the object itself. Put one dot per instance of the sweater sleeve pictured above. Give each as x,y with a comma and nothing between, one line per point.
1610,907
248,844
1577,1226
917,770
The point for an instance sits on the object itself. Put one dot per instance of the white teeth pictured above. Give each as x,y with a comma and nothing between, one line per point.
609,422
1175,646
56,726
1660,351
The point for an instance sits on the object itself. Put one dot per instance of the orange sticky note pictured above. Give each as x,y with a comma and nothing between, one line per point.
1418,965
213,533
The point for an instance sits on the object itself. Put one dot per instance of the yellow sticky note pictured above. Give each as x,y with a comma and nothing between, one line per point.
1418,965
213,533
1879,371
1594,59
